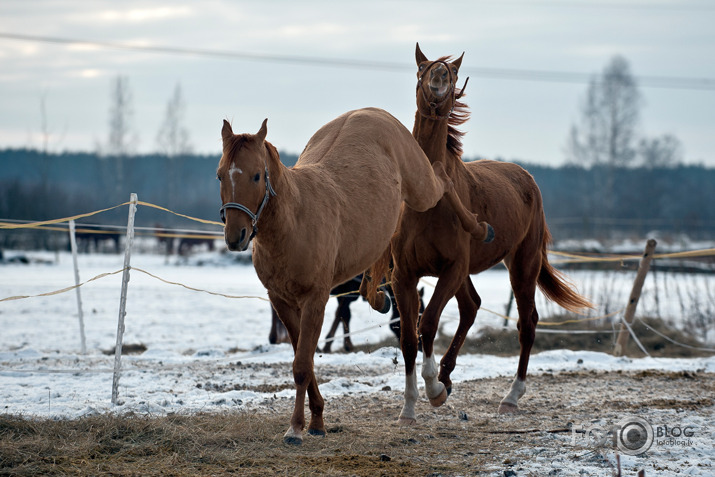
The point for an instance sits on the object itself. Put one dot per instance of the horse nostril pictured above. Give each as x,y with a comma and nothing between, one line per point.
243,235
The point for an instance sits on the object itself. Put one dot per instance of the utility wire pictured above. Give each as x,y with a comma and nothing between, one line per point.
670,82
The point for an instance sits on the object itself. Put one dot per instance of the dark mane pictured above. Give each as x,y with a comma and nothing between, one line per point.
458,116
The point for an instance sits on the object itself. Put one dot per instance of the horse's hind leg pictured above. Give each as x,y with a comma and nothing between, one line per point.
330,337
468,302
278,333
523,274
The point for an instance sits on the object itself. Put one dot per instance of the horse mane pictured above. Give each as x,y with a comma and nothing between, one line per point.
237,142
460,114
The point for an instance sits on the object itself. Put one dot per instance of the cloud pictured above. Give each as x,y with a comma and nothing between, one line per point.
139,15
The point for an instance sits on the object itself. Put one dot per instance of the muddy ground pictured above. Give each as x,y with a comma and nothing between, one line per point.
463,437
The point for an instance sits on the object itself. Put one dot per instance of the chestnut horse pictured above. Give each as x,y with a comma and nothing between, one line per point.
323,221
430,243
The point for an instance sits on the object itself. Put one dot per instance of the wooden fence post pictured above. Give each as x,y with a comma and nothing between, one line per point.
123,298
73,247
630,312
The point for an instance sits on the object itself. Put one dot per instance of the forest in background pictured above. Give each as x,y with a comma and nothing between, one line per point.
580,202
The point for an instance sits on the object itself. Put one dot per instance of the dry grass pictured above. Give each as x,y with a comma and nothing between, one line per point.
501,342
506,342
464,437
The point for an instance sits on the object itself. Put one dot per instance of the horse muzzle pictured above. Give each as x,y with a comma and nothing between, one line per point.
240,243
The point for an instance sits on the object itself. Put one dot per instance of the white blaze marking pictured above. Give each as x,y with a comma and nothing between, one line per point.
231,171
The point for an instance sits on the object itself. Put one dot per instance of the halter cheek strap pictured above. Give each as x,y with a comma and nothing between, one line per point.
434,106
254,217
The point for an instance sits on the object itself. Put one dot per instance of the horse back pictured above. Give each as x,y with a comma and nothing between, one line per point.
507,197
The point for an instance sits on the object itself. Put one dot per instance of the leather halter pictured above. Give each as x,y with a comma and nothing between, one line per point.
451,94
254,217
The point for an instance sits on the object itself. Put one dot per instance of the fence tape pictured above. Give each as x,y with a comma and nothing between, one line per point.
571,258
203,221
197,289
63,290
32,225
712,350
635,338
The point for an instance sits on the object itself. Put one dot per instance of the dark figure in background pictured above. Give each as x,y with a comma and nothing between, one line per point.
97,239
347,294
188,242
164,238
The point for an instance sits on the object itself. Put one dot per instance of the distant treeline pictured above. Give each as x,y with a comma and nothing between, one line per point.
580,202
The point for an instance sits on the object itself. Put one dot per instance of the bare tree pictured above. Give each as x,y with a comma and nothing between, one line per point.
605,135
663,151
122,140
173,137
606,132
173,141
47,137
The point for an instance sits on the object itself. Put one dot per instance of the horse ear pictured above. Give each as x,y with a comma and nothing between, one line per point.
226,131
419,56
261,134
458,61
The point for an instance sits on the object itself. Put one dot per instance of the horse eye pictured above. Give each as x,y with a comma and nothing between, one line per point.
218,177
257,177
454,70
422,67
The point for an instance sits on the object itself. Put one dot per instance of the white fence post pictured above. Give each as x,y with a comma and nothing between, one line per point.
123,298
73,246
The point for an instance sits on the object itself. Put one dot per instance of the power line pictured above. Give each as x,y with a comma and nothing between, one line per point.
670,82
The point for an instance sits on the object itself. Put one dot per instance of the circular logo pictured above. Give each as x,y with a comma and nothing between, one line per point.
634,435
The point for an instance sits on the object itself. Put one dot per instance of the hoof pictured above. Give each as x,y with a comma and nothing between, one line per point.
490,234
386,304
316,432
508,408
293,440
439,400
406,421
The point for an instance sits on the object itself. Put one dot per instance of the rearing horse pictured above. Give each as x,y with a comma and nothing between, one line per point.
431,243
324,221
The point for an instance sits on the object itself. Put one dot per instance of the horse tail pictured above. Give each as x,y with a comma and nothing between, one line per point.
555,285
373,278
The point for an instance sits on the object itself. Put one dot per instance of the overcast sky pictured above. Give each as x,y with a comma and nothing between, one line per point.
520,56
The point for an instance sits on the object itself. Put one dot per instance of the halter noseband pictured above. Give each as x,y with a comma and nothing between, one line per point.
434,106
254,217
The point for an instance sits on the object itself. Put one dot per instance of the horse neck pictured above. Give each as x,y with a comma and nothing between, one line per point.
277,209
431,135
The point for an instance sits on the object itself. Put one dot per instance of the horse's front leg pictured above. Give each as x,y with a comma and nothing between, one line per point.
448,283
468,302
311,322
405,293
469,221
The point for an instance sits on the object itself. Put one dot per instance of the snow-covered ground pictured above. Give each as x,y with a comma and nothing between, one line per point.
198,342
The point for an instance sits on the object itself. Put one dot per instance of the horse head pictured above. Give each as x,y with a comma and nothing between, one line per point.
245,184
437,82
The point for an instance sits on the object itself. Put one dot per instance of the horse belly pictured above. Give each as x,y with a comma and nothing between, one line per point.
366,232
